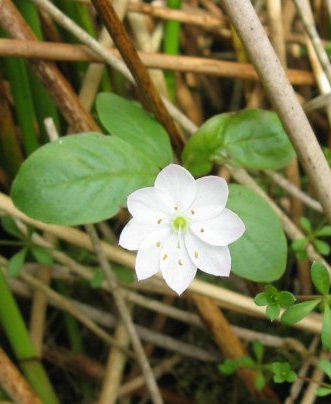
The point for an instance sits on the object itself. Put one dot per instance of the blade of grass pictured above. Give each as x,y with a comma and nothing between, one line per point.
12,322
171,45
15,71
44,105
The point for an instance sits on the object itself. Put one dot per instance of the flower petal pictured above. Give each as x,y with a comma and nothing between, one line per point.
150,205
148,256
177,268
213,260
134,234
221,230
210,200
178,183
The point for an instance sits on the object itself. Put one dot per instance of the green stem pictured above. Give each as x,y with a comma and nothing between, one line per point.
171,45
12,322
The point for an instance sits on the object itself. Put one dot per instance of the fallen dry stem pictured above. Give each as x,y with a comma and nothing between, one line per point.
76,53
125,315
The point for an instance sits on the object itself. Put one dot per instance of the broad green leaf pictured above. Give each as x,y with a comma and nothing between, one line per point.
129,121
252,139
16,262
80,179
325,365
299,311
260,255
320,277
42,255
326,327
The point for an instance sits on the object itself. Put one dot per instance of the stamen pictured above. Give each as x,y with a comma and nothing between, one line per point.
192,211
159,221
196,254
180,262
202,230
176,207
158,244
165,257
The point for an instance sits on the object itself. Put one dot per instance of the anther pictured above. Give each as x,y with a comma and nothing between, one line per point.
165,257
192,211
158,244
159,221
180,262
176,207
202,230
196,254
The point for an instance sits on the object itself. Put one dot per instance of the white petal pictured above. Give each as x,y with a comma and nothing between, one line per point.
213,260
211,197
134,233
178,183
177,268
221,230
148,256
150,205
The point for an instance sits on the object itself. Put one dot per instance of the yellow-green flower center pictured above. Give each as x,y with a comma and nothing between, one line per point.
180,223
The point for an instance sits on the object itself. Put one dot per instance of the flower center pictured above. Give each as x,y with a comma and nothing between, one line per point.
180,223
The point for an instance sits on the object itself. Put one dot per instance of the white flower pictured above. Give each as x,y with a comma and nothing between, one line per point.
179,225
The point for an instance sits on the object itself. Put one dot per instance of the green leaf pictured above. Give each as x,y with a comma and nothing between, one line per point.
325,231
80,179
325,365
261,299
283,372
249,138
261,254
320,277
259,381
322,247
323,391
299,244
124,274
326,327
286,299
273,311
258,349
299,311
305,224
97,279
42,255
129,121
10,227
228,367
16,262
